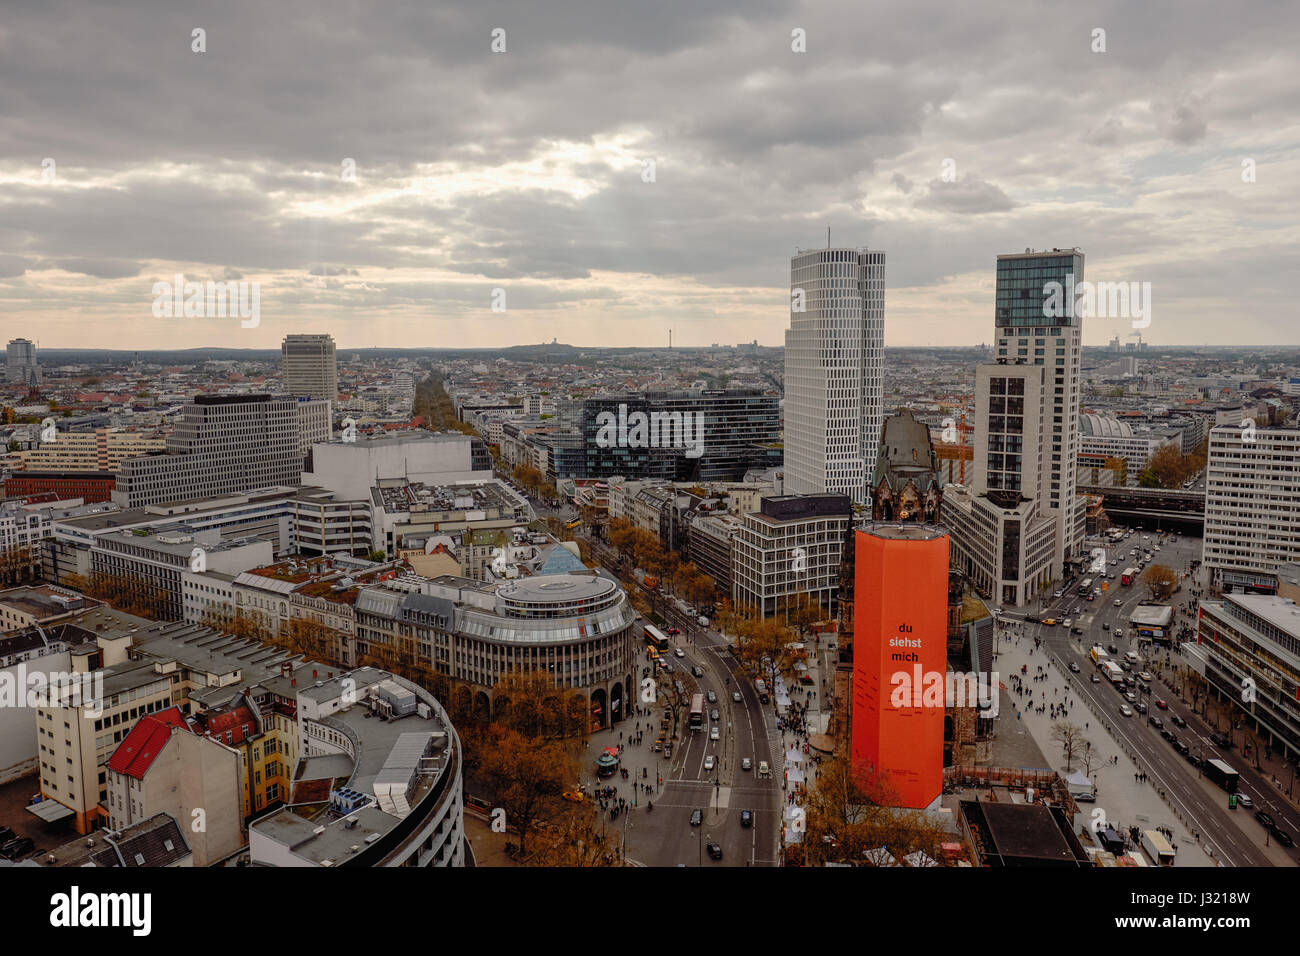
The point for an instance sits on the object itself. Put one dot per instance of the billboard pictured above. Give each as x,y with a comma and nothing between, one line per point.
900,661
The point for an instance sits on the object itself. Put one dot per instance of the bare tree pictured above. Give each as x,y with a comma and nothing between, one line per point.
1070,737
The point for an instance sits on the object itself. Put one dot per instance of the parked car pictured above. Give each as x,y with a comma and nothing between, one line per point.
1141,706
1168,735
1282,837
1243,800
1265,819
17,847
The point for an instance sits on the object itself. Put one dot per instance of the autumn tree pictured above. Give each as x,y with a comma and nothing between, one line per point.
18,564
533,703
576,836
240,622
128,594
1167,468
847,814
519,775
315,640
801,612
766,644
1118,466
1160,581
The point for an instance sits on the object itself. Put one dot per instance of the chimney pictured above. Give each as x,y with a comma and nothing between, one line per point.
294,682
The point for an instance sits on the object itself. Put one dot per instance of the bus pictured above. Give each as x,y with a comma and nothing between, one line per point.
697,712
575,523
1085,587
1128,577
656,638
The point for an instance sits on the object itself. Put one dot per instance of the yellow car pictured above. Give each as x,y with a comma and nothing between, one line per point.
1050,622
577,796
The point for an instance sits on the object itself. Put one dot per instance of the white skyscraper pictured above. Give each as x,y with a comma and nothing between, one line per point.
834,362
1252,525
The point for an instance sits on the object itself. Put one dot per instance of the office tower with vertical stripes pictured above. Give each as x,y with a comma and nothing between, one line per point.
834,364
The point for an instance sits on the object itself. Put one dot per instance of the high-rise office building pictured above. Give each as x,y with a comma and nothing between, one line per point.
21,365
1029,334
223,444
834,363
310,368
1252,482
1020,521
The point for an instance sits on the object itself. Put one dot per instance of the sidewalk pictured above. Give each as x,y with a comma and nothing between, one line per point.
1122,801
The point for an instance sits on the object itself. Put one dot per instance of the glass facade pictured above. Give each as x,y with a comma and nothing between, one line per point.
1021,289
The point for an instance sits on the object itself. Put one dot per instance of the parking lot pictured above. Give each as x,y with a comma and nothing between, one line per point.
13,814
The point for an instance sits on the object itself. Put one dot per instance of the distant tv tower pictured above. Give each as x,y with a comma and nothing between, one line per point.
670,338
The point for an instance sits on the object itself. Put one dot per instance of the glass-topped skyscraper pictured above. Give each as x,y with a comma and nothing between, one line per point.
1036,324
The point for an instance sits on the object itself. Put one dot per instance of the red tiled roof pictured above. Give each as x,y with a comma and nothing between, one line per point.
136,754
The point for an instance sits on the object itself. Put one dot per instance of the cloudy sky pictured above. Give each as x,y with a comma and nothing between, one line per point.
626,168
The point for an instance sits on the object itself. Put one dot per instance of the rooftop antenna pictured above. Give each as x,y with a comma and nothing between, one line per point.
828,236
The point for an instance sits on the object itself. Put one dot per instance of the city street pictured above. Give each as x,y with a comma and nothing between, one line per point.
1235,837
664,836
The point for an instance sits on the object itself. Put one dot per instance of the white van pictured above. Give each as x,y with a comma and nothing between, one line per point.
1132,657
